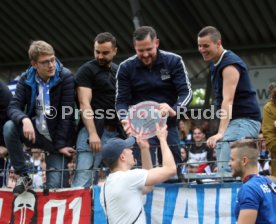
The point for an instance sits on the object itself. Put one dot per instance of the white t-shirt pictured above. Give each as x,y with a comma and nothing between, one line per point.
124,196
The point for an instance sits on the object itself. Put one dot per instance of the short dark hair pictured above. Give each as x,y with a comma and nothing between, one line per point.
110,164
199,128
212,31
142,32
105,37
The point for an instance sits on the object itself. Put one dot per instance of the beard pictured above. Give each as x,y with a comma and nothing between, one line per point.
237,172
104,62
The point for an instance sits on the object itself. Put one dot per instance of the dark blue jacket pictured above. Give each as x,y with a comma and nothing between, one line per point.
166,82
61,124
245,103
5,97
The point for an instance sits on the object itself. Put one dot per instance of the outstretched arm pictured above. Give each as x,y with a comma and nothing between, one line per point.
160,174
145,157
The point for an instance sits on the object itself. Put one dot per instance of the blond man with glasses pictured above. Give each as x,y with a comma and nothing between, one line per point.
40,117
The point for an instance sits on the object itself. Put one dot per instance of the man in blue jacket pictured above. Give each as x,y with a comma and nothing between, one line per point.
42,116
155,75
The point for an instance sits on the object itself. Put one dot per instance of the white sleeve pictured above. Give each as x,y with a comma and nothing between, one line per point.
137,178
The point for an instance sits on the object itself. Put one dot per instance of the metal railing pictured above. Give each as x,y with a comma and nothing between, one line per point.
101,172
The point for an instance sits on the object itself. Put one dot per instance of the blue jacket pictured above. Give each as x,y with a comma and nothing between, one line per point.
61,124
166,82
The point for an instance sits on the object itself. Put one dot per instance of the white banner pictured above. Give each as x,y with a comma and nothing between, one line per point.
178,204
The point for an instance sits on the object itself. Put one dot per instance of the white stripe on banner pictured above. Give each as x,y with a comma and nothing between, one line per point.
185,204
225,205
210,208
186,209
158,200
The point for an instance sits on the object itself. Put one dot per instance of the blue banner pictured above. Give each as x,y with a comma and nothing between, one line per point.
178,203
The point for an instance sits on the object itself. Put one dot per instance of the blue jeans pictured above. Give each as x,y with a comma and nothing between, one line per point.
236,130
56,177
88,160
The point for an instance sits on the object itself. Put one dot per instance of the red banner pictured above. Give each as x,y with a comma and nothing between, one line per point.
62,206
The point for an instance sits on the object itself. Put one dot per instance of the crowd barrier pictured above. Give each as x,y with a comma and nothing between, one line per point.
168,203
184,203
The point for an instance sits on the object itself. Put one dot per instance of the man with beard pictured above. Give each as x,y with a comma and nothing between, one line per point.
256,201
155,75
96,96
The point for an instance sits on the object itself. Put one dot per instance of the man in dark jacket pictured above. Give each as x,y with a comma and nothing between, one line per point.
42,116
155,75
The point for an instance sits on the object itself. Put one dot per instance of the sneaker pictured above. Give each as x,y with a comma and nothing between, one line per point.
23,183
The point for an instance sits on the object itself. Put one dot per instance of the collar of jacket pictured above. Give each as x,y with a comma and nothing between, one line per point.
31,71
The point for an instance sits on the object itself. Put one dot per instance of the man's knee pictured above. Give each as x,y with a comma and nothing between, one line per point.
9,129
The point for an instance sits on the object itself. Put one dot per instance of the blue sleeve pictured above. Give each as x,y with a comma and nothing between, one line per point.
182,84
249,198
123,91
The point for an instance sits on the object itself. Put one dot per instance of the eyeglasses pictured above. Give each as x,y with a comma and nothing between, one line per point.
46,63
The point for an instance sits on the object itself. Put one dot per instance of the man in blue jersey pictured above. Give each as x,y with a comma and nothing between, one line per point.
234,94
156,75
256,202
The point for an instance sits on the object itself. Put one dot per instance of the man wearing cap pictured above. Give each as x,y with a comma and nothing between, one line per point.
121,194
